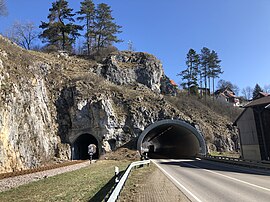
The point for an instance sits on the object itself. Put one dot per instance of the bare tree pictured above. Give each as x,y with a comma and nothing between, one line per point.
266,88
3,8
227,84
247,92
130,46
24,34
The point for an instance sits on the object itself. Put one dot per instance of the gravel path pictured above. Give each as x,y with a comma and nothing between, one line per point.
12,182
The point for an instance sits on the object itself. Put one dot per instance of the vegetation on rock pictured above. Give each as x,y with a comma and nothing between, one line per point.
45,97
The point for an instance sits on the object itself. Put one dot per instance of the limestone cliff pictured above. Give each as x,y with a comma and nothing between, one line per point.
27,126
47,101
133,68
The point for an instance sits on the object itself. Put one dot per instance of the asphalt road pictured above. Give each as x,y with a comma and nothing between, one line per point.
207,181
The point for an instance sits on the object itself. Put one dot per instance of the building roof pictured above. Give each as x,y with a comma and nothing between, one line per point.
260,95
173,83
264,101
222,90
258,102
264,94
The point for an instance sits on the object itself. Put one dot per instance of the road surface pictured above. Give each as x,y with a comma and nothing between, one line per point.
207,181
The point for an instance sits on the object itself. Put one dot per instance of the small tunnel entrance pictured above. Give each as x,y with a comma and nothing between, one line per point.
80,147
171,139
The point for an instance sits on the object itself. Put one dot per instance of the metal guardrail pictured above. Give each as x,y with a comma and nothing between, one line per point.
115,193
239,161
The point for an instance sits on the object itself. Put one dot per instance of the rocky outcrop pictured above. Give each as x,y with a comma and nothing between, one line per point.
47,101
28,131
110,115
133,68
115,116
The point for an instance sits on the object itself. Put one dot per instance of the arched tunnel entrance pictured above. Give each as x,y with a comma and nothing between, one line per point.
171,139
80,147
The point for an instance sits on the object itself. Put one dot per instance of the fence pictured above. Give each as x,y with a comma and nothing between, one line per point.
238,161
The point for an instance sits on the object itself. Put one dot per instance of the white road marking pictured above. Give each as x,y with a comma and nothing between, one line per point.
182,186
232,178
254,171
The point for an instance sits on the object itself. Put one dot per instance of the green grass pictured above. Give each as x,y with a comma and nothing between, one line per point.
91,183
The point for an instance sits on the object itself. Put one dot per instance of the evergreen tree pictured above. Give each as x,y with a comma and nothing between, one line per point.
3,8
204,65
87,14
60,30
214,68
190,74
105,29
256,90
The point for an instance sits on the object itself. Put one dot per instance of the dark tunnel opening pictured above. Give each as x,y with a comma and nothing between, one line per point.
80,147
171,139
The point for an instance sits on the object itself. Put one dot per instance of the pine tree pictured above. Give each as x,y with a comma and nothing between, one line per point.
60,30
190,74
256,90
204,66
87,14
214,68
105,29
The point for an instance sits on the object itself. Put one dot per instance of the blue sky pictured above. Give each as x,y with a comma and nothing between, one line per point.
238,30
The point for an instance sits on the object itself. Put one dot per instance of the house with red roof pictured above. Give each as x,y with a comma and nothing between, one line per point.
226,95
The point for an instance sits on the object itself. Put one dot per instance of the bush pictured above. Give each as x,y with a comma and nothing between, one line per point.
102,53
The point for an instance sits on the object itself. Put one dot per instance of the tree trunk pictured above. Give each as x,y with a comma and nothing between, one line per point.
205,86
213,88
201,84
189,77
88,35
63,41
98,43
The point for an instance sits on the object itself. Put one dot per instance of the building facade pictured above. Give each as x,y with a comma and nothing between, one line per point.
254,130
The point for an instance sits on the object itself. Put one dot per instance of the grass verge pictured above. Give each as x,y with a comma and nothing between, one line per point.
135,182
226,154
91,183
150,184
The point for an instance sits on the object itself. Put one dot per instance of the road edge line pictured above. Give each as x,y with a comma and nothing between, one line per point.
231,178
177,182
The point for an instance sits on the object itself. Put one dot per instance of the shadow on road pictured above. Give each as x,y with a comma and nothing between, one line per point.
216,166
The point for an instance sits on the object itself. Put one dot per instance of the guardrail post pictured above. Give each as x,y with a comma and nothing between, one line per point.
116,173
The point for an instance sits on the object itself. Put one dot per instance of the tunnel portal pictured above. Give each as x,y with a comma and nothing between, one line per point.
171,139
80,147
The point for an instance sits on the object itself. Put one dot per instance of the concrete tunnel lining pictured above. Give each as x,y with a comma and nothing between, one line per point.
173,139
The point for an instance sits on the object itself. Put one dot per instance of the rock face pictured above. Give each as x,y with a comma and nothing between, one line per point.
48,102
27,127
119,117
131,68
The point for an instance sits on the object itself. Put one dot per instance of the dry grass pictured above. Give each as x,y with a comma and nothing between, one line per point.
209,106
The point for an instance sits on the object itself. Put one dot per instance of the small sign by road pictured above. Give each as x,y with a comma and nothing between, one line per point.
92,149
